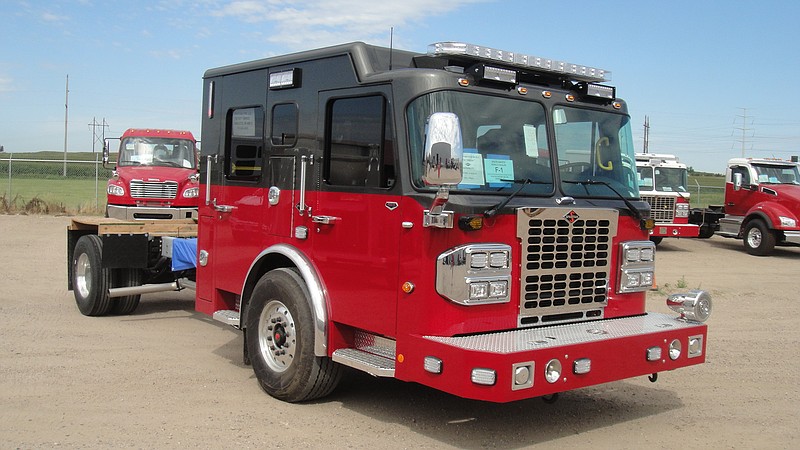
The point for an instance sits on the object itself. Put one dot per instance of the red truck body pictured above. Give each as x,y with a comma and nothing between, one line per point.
663,184
155,177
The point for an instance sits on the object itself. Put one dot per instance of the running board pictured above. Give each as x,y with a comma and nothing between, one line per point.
227,316
378,366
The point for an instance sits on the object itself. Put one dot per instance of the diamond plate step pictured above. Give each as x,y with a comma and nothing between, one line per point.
378,366
227,316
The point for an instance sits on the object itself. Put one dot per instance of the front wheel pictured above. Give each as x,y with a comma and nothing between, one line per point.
90,280
758,239
656,239
280,340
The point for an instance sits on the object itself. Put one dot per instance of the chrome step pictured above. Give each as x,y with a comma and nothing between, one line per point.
378,366
227,316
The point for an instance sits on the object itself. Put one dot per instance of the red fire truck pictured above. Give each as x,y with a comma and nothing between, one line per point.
468,219
762,205
155,176
663,182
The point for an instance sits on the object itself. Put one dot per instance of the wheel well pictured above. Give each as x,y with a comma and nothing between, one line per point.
757,216
266,263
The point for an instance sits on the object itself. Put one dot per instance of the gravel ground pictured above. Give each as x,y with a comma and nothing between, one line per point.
167,376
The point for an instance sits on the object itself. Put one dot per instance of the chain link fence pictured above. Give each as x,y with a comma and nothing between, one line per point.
52,186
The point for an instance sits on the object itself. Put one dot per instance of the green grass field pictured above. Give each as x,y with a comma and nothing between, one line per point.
73,196
706,190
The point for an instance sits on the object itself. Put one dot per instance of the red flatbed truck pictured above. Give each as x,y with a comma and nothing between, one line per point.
461,218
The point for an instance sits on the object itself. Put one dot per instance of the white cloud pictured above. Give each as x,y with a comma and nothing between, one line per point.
314,23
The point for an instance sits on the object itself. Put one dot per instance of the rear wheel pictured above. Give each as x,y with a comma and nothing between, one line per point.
758,239
126,278
90,281
280,340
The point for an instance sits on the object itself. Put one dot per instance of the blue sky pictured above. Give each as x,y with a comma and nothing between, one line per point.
713,77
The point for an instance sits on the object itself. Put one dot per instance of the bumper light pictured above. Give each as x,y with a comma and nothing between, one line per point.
582,366
654,353
552,371
675,348
485,377
523,375
695,346
694,305
433,364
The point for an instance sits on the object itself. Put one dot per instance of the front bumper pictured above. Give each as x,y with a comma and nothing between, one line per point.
150,213
614,349
675,230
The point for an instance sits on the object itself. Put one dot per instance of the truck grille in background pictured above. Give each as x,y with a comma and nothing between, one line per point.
566,259
662,208
151,189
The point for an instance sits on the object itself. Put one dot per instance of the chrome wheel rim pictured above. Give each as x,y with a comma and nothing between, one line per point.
277,340
83,275
754,238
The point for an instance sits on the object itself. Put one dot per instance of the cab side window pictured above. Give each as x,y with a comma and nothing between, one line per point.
244,146
359,143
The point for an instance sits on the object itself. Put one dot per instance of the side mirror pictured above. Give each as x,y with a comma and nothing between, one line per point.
737,181
105,153
443,150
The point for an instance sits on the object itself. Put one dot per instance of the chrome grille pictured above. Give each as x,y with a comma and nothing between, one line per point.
153,189
662,208
566,259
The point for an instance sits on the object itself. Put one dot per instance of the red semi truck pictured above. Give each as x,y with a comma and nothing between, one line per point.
762,205
466,218
663,183
155,176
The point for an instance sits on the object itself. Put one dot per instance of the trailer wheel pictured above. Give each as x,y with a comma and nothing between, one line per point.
125,278
280,340
90,280
656,239
706,231
758,239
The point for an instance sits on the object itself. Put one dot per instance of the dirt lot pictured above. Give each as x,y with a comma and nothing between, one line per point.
169,377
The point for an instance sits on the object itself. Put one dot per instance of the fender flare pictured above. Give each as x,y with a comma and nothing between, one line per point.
283,255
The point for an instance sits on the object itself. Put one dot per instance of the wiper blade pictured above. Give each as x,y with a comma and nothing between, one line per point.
491,212
633,210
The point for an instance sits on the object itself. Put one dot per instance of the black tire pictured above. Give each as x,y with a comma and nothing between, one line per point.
706,231
280,340
656,239
758,239
125,278
90,281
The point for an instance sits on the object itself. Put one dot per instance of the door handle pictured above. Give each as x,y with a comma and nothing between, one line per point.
325,220
222,208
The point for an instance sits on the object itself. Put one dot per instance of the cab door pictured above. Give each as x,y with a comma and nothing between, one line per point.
356,219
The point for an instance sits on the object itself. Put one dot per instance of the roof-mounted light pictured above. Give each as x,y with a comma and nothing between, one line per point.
530,62
597,91
285,79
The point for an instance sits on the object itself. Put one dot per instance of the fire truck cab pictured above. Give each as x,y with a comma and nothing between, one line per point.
155,175
663,183
467,218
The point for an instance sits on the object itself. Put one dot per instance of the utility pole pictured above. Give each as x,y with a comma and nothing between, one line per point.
94,125
66,120
646,134
743,129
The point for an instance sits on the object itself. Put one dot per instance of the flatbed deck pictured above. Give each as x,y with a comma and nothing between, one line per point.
104,225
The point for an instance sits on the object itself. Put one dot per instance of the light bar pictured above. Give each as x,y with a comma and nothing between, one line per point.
573,71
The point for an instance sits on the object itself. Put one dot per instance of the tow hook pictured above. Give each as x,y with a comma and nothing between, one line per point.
653,378
550,399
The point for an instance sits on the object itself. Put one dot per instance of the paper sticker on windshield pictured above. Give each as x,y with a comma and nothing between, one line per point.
472,163
499,170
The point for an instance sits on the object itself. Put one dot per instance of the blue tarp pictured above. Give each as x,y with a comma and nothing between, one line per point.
184,254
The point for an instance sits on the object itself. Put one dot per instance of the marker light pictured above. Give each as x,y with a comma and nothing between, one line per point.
486,377
694,305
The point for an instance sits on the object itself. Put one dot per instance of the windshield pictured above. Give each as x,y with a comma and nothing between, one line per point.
595,146
505,140
149,151
666,179
777,174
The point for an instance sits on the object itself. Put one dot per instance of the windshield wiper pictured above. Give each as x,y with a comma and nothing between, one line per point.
496,208
632,209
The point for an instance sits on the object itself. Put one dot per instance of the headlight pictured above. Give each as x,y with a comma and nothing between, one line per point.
114,189
191,192
475,274
694,305
788,222
637,266
682,210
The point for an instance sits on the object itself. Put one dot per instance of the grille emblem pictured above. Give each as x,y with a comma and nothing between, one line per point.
571,216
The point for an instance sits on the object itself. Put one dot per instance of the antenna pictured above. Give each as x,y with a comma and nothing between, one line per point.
391,45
